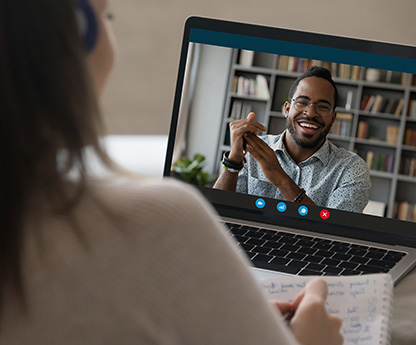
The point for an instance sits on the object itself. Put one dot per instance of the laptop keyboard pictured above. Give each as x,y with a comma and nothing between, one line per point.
307,255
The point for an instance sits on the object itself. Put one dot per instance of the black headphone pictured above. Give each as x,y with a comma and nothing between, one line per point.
87,23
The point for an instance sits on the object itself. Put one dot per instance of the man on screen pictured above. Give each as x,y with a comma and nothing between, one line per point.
300,164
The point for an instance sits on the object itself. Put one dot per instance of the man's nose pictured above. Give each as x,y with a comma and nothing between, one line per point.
310,110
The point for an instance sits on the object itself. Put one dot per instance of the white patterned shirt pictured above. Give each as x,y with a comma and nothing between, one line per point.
333,177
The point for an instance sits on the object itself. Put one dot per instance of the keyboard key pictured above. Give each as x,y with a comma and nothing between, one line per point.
249,227
378,250
348,265
311,258
237,231
297,263
247,247
287,234
380,263
341,244
358,246
296,256
357,252
315,267
305,250
290,247
343,257
279,252
305,243
272,244
333,270
256,241
251,255
289,240
271,237
276,267
306,272
347,272
241,239
324,253
261,250
330,262
370,269
321,245
280,261
359,260
392,252
392,258
263,257
374,255
254,234
340,249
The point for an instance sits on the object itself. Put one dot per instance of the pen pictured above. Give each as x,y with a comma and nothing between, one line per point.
289,315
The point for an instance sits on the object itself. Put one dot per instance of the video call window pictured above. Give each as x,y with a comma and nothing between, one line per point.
376,117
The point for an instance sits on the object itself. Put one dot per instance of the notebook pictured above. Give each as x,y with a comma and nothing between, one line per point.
364,303
229,69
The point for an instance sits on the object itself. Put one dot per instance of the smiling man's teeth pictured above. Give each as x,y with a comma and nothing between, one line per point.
308,125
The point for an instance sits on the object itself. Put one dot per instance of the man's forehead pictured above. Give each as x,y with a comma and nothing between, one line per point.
315,86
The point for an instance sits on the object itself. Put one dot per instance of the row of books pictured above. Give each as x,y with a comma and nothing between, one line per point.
405,211
342,125
408,166
300,65
410,137
239,110
380,161
379,104
252,87
392,133
411,112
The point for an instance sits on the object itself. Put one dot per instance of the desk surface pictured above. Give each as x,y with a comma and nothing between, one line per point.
145,154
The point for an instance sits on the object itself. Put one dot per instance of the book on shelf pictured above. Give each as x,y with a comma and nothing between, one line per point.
412,109
405,210
392,134
410,137
239,110
408,166
399,107
246,58
364,303
375,208
362,130
342,125
251,87
379,161
379,104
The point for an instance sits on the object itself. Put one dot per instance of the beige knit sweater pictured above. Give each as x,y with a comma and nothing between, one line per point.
146,264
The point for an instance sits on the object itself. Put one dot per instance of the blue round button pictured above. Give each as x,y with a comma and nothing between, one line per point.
281,206
303,210
260,203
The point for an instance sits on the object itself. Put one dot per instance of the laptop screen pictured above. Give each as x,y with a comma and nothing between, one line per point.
228,70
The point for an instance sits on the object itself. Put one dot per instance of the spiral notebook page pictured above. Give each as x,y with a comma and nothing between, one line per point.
364,303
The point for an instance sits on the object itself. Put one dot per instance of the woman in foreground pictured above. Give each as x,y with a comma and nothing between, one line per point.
115,260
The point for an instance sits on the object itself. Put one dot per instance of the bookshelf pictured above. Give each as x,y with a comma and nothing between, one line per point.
376,117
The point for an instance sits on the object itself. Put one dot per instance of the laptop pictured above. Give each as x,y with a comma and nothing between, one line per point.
229,69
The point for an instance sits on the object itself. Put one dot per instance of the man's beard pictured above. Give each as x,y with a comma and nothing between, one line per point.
302,143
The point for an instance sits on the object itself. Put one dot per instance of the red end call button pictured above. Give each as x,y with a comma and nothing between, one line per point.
324,214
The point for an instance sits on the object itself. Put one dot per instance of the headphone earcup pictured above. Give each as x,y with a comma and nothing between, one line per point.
87,23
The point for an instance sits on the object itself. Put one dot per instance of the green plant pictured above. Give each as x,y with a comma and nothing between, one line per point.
191,171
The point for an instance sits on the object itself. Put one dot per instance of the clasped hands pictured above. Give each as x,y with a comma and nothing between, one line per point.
244,138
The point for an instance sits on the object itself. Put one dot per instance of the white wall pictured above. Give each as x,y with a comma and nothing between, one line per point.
140,94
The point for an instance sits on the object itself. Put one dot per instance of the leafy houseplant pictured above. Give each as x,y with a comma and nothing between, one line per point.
191,171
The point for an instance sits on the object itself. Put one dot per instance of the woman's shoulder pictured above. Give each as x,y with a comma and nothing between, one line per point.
147,196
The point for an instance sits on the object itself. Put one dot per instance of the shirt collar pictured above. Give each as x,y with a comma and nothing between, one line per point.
322,154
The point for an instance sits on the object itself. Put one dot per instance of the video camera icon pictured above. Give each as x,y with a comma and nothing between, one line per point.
260,203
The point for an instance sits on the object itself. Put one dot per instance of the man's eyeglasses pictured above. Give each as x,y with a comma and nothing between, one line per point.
322,108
